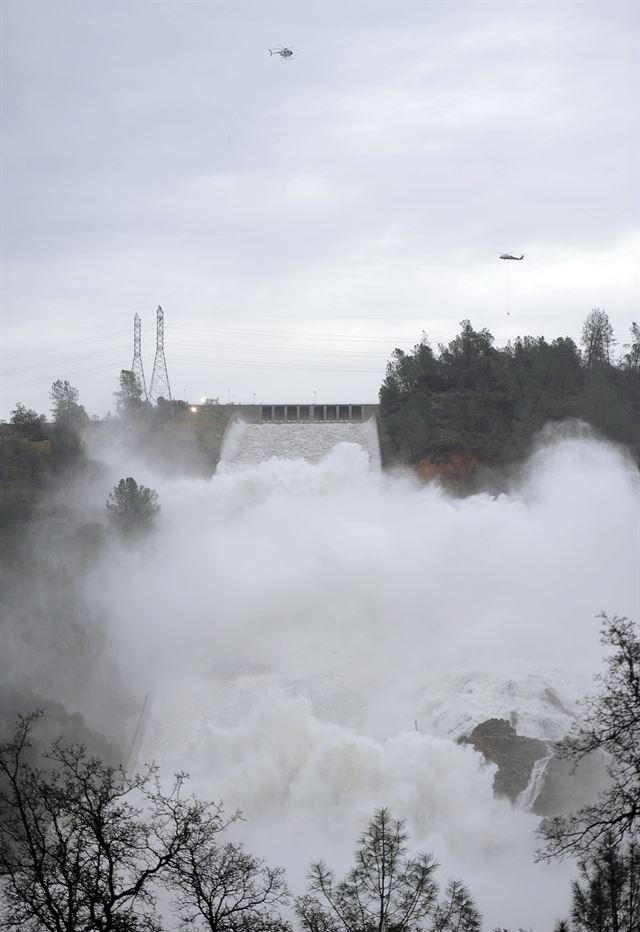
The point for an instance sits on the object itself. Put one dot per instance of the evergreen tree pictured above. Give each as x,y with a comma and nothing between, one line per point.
69,417
606,898
474,402
27,422
64,405
129,397
386,891
132,508
457,911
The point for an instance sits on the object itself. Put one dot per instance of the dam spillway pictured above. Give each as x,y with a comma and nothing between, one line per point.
247,444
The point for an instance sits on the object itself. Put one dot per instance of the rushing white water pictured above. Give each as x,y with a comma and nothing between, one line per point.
251,444
293,620
527,799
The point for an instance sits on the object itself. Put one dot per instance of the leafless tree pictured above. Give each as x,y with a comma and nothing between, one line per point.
597,337
631,359
611,725
83,845
225,888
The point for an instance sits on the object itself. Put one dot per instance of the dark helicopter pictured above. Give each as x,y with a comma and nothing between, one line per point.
283,52
507,255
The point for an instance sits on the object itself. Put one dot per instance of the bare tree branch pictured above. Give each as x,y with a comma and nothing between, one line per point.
83,844
611,726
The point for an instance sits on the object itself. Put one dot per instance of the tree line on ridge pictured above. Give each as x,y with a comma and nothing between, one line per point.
484,404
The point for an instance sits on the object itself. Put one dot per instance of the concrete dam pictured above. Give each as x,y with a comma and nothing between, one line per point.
308,432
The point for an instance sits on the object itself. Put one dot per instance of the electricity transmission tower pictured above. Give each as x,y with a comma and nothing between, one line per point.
136,365
160,377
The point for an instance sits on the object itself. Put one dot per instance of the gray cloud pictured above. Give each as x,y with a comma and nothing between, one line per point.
155,153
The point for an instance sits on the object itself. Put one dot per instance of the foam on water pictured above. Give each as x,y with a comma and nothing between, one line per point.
526,800
250,444
294,619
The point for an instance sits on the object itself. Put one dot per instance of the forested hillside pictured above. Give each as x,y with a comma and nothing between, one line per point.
471,402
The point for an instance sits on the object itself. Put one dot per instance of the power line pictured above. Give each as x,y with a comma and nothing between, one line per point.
45,350
61,361
258,364
47,378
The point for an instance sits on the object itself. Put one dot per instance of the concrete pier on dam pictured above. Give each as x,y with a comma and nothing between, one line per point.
241,435
290,413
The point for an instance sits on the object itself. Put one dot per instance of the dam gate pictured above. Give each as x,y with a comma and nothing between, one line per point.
317,413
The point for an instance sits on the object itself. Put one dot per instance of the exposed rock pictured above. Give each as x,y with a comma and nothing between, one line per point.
514,754
57,723
565,789
457,470
562,788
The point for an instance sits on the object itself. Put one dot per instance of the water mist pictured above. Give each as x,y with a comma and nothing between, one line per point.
315,636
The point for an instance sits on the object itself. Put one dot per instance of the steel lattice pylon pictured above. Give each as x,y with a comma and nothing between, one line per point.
160,387
136,365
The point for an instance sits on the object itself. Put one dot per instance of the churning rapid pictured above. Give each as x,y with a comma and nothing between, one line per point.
251,444
315,636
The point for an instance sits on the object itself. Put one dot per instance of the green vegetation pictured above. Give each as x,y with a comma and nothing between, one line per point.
606,897
27,423
604,835
132,508
129,400
610,724
385,891
167,432
34,452
484,404
64,405
37,454
69,418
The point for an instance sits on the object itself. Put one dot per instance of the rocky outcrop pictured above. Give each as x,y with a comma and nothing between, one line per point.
57,723
566,788
557,788
514,754
456,468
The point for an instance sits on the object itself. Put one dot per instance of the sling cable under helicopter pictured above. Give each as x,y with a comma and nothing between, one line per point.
509,257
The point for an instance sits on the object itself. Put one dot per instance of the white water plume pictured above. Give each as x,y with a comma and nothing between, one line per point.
527,799
250,444
292,620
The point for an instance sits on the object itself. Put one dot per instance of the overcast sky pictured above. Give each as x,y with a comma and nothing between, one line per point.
297,220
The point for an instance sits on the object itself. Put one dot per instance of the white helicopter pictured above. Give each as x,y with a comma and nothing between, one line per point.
507,255
284,52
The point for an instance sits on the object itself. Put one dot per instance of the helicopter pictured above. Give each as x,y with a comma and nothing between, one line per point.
284,52
509,255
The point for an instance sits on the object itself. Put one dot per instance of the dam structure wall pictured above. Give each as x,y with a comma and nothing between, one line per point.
272,412
248,444
192,439
311,427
